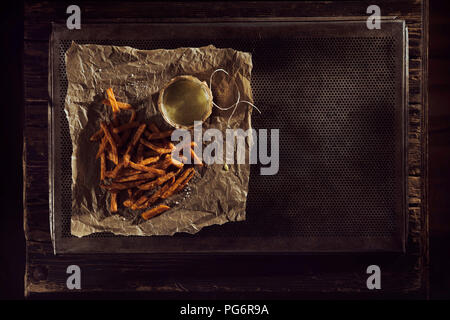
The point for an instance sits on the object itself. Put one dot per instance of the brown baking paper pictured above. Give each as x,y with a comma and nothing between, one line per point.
214,196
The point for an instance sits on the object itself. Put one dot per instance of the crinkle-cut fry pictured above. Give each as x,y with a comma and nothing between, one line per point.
153,212
133,142
126,126
197,160
121,105
154,147
148,160
101,147
175,185
102,166
112,100
111,141
159,181
185,182
158,135
122,186
113,207
97,135
145,168
139,176
153,128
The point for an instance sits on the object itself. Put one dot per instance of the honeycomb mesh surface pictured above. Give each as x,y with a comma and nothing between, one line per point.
333,101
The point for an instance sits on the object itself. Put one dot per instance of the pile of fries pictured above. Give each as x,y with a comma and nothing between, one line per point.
135,158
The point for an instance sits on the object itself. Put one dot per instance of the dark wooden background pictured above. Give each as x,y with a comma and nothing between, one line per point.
222,275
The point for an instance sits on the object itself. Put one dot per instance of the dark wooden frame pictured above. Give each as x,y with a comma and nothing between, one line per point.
183,275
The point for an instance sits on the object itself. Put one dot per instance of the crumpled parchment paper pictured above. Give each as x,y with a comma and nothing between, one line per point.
214,196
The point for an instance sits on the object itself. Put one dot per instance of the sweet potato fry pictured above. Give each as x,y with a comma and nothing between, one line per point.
121,105
139,176
196,158
154,147
125,172
113,134
102,166
148,160
175,185
112,100
111,141
128,203
140,153
154,211
176,163
97,135
157,182
101,147
158,135
117,169
126,126
145,202
145,168
153,128
113,207
132,115
185,182
116,186
133,142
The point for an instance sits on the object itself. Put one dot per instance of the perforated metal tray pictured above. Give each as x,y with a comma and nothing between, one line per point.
335,90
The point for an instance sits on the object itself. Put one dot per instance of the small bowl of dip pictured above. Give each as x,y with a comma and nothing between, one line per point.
183,100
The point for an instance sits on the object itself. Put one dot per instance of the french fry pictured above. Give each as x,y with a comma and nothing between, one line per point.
145,202
101,147
128,203
115,136
185,182
175,162
97,135
154,211
113,207
154,147
117,169
139,176
115,120
153,128
159,181
196,158
132,116
112,100
126,126
133,142
148,160
175,185
145,168
140,153
102,166
111,141
121,105
116,186
158,135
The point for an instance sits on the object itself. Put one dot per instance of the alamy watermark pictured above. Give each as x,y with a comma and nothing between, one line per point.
238,146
